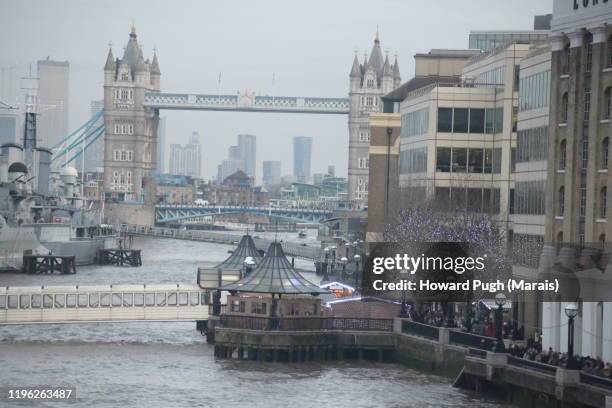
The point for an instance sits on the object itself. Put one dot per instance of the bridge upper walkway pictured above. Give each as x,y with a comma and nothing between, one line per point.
111,303
295,250
179,212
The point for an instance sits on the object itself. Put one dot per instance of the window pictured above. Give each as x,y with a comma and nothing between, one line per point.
587,104
561,198
238,306
566,60
603,202
160,299
47,301
445,119
530,197
370,83
82,300
364,136
609,47
562,153
564,108
605,148
415,123
443,159
138,299
497,158
259,308
414,161
460,120
363,162
585,154
534,91
149,299
607,103
24,301
477,120
105,299
36,301
2,301
194,299
59,301
531,144
125,76
526,249
183,299
94,300
588,55
459,160
71,300
117,301
475,160
13,302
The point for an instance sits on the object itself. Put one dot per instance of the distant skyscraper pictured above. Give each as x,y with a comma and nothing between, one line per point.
271,173
94,155
177,166
227,168
331,170
248,152
302,152
187,160
161,145
52,123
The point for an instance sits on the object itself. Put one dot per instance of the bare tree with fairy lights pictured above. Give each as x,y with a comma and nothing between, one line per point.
416,229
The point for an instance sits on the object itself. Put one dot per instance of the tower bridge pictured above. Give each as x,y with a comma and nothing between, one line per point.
133,99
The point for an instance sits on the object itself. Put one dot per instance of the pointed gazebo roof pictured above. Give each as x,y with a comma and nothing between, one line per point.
274,274
245,248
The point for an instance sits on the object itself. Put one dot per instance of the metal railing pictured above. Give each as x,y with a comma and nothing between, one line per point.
532,365
305,323
471,340
596,381
420,329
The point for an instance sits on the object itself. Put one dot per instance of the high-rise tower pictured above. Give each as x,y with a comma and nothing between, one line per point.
131,129
368,82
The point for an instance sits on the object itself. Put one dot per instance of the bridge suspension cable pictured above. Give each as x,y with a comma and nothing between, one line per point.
85,135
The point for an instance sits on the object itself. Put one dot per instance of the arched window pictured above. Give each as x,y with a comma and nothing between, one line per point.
562,154
564,108
603,202
566,60
607,103
605,147
609,48
561,208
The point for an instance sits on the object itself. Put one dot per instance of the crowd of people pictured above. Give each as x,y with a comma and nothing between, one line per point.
532,350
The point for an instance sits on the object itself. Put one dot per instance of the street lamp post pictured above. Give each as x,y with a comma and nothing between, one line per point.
325,276
500,301
571,311
343,262
357,258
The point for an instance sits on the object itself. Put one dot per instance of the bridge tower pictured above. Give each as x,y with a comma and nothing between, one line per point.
368,83
130,139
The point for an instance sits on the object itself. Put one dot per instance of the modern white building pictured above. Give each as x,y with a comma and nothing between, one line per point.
53,97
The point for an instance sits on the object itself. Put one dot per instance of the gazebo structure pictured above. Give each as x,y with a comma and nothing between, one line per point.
274,290
239,264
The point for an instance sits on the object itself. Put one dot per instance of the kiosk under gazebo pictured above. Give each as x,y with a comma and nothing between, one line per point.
274,290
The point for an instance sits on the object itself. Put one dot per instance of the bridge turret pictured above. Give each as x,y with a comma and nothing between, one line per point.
355,75
397,79
387,76
155,72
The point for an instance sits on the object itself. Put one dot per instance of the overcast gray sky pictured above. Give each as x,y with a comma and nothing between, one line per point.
308,46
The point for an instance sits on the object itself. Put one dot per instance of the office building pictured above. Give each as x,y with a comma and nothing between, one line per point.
302,156
186,160
271,173
248,152
53,92
10,127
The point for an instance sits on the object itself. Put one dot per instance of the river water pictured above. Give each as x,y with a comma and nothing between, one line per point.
170,365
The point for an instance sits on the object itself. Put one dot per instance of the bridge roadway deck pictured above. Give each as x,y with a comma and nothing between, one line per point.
111,303
298,251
